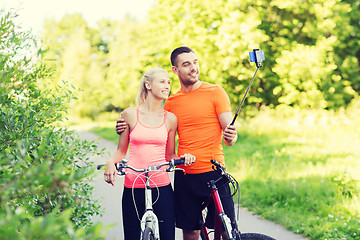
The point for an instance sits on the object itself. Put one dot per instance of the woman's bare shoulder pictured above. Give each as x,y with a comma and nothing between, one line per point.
172,116
129,114
171,120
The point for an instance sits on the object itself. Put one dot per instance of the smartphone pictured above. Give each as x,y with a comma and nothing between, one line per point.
257,56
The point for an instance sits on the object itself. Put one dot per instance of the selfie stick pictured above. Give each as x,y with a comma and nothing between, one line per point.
255,56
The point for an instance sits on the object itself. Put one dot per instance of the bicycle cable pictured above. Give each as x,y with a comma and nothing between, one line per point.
133,193
236,186
234,183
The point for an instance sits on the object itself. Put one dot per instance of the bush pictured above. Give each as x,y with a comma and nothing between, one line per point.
44,183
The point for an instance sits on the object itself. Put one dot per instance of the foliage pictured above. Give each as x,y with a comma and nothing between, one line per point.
126,64
98,62
221,34
307,42
45,191
77,54
304,46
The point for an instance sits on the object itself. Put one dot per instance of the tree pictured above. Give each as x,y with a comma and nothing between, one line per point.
126,63
78,54
223,32
44,189
313,51
311,48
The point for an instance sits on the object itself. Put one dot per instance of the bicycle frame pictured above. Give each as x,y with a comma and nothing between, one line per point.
149,219
220,216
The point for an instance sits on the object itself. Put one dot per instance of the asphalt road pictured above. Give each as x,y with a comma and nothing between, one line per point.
111,202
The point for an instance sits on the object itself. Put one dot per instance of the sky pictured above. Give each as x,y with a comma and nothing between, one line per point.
32,13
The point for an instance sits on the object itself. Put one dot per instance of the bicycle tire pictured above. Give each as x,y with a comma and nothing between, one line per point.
148,234
255,236
247,236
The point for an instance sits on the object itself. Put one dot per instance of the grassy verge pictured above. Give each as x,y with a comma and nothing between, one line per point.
107,133
298,168
301,170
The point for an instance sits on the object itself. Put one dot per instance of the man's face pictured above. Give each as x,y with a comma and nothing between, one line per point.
187,68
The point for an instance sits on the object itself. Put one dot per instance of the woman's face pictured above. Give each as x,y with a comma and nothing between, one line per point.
160,85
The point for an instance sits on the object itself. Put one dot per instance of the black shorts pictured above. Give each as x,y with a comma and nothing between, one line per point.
191,191
163,208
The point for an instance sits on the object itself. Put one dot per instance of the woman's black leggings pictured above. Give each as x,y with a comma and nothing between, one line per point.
164,209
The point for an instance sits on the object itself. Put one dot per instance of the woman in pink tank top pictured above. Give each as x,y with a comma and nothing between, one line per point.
151,135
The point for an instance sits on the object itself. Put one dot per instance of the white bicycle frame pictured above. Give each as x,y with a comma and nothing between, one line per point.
149,219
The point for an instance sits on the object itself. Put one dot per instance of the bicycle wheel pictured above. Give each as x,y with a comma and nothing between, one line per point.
148,234
255,236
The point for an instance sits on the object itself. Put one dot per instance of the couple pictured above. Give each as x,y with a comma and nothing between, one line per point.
201,114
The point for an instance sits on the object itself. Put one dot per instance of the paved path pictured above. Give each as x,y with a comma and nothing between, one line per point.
111,202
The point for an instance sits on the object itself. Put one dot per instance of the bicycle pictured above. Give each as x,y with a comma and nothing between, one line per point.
149,222
221,219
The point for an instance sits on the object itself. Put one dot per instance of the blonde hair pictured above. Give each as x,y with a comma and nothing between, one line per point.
147,77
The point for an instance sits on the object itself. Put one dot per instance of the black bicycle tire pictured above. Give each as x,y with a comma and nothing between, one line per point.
148,234
255,236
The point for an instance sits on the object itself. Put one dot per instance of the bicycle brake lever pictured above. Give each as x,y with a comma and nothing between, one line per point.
120,168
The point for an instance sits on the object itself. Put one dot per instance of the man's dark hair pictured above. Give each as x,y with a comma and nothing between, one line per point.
177,52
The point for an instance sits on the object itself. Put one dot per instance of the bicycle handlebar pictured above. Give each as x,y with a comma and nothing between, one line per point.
216,163
221,169
123,164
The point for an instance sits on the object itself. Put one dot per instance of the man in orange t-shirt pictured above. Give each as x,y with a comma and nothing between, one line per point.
204,116
199,128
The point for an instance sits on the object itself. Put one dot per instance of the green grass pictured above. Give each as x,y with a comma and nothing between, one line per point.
108,133
301,169
298,168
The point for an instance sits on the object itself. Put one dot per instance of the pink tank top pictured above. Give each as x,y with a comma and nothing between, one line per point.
147,148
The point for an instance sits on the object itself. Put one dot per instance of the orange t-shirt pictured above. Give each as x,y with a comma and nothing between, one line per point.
199,129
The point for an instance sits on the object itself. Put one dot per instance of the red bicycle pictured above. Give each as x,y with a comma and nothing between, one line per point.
222,222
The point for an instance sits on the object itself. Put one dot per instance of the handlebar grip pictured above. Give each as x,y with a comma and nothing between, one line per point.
99,166
180,161
216,163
